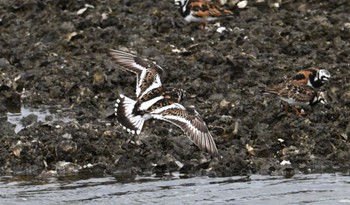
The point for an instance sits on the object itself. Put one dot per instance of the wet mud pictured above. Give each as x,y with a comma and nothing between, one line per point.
53,55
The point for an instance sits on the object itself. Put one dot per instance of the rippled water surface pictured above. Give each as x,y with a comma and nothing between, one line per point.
301,189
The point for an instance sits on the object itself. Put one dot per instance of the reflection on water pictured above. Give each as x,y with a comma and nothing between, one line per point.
302,189
15,116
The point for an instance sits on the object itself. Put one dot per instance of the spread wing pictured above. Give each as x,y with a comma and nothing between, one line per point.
147,73
190,122
124,111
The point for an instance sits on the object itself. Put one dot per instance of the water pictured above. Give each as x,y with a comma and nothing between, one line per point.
301,189
43,115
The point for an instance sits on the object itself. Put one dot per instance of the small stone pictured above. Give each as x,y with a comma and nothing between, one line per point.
285,162
67,136
17,151
221,29
217,96
242,4
65,149
250,149
99,78
224,103
28,120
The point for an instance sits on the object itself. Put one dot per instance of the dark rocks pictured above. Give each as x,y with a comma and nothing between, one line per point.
28,120
63,64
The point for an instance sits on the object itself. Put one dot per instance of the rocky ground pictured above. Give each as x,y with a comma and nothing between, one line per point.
53,55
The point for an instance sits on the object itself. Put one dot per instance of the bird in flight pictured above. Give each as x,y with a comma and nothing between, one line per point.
154,101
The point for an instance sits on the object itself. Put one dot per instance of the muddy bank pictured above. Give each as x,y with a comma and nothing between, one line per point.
52,55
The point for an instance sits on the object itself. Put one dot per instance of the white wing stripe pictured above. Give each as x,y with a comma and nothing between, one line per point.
153,86
172,106
147,104
169,118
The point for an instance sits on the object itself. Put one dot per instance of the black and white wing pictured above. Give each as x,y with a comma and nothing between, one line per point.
147,73
124,111
188,119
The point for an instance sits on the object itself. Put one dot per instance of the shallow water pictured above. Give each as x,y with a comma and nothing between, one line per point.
301,189
43,115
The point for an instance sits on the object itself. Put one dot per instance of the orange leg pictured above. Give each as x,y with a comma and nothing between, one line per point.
295,109
297,112
202,25
286,108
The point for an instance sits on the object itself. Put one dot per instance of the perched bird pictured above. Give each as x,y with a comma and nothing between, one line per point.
201,11
296,94
313,77
154,101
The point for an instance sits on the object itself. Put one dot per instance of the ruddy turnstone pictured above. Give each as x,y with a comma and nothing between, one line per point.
296,94
201,11
154,101
313,77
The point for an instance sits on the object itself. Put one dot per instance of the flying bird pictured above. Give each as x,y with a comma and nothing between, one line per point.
154,101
